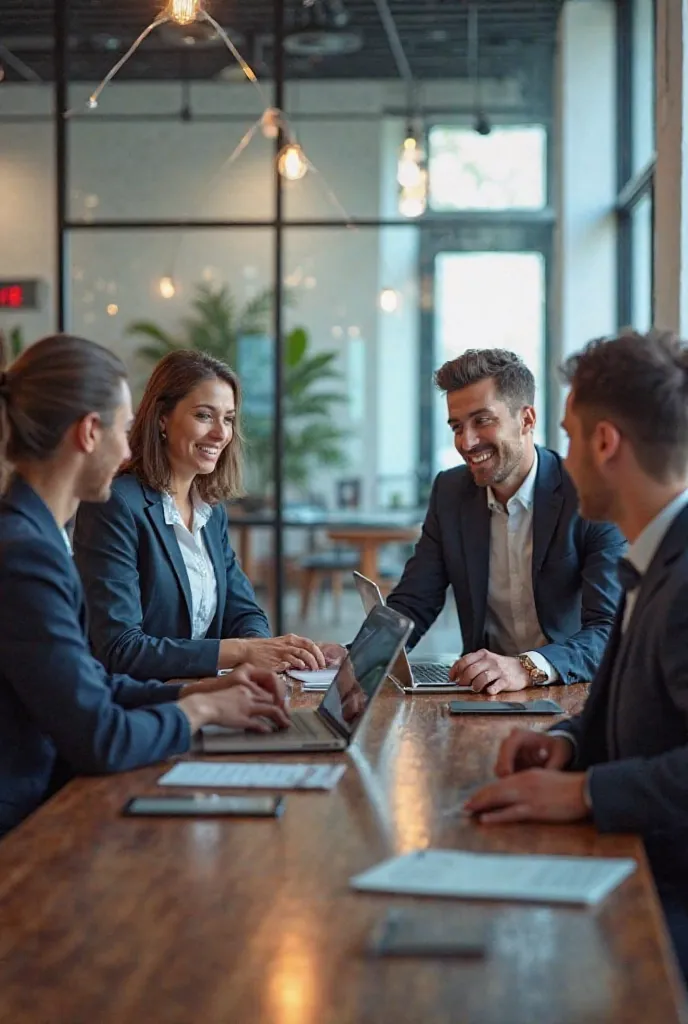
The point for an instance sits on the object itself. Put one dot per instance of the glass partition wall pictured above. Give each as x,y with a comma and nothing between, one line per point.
335,292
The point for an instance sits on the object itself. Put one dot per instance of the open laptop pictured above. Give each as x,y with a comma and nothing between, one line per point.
334,723
423,676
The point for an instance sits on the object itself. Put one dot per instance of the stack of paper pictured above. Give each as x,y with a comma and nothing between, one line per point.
497,876
319,679
253,775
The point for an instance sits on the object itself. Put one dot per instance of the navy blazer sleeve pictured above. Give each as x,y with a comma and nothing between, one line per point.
578,657
106,554
243,616
421,592
46,660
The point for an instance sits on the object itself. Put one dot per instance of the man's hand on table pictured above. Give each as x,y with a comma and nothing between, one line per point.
490,673
531,783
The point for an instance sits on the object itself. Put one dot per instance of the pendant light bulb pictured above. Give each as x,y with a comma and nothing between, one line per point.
183,12
291,162
167,288
410,163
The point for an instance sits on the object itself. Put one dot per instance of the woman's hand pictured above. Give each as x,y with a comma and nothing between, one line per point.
274,654
268,681
244,705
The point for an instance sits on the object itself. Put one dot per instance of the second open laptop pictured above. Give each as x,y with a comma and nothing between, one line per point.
419,676
334,723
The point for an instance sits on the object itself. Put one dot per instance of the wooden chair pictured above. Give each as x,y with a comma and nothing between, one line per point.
330,566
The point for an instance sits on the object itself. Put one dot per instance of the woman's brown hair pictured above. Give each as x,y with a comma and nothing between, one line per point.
177,374
52,385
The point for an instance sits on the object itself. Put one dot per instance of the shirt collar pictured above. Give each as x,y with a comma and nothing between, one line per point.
202,512
644,548
523,496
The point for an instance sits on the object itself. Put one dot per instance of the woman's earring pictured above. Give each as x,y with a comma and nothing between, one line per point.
163,435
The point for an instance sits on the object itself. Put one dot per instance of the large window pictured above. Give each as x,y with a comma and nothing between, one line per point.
636,165
502,170
181,221
485,272
467,316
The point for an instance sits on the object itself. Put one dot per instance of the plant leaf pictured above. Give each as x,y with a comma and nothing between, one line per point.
295,345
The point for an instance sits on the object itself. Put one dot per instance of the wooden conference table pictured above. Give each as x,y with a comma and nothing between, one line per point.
107,920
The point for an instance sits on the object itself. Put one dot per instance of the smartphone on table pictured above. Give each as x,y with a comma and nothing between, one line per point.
205,805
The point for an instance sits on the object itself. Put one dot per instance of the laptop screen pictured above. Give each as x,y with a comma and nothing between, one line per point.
363,671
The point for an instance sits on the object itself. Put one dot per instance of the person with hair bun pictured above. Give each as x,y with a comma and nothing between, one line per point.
65,411
166,594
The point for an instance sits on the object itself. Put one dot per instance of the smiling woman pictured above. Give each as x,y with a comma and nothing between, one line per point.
166,595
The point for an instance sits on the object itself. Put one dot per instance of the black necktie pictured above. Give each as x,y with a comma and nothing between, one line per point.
629,577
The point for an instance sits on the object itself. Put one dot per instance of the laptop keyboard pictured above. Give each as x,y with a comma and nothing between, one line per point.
305,725
430,674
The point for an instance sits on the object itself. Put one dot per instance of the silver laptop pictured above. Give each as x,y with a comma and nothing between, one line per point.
426,676
333,725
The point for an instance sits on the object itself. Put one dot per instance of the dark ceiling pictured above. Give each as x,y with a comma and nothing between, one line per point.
513,37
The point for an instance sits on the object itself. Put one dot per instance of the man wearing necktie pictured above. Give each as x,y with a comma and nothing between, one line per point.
624,760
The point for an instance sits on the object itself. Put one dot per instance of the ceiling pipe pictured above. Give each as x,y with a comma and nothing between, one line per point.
18,65
397,48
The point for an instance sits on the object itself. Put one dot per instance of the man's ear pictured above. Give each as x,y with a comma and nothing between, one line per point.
87,432
606,441
528,419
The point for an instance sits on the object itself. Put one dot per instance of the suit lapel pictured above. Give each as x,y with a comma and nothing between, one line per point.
475,533
672,546
168,540
213,542
547,506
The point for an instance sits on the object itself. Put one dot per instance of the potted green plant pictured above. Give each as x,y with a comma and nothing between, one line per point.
218,326
15,338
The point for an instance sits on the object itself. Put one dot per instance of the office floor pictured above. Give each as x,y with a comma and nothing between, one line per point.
321,624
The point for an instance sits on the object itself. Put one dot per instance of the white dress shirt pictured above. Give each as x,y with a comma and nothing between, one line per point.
512,623
199,567
645,546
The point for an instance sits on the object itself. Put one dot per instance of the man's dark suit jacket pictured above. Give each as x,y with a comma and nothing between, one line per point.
575,584
138,593
60,713
633,730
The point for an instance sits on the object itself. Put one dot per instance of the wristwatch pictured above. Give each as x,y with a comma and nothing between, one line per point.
537,676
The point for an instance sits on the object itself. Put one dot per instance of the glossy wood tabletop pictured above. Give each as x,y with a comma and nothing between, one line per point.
112,920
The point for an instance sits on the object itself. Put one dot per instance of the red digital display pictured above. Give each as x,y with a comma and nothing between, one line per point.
19,294
12,296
